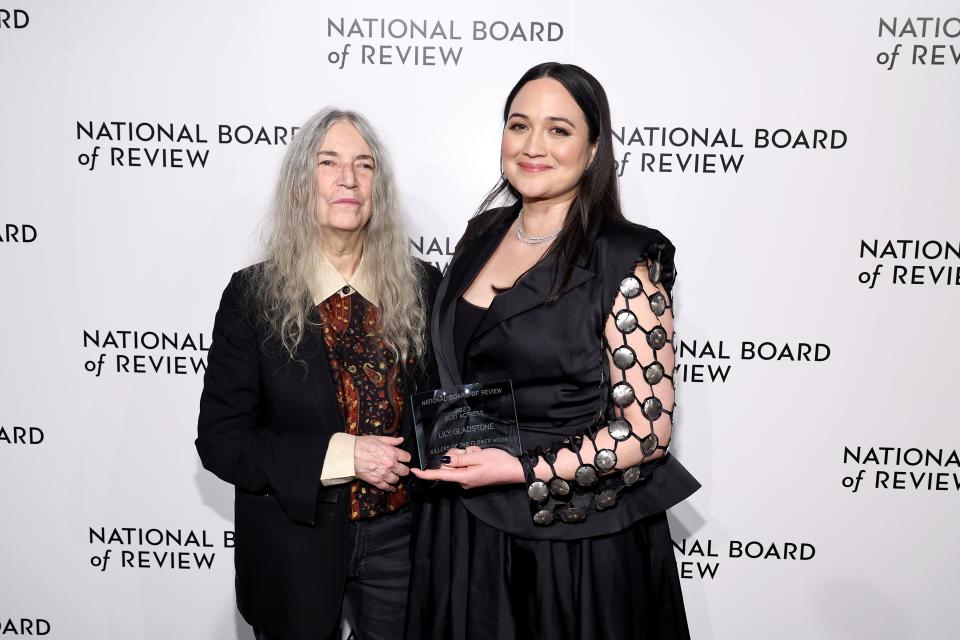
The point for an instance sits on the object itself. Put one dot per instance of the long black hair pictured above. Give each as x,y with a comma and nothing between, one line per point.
598,199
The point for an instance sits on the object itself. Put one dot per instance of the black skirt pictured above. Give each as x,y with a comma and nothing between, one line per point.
472,581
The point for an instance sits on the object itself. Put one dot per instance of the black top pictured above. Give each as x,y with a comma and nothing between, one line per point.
468,317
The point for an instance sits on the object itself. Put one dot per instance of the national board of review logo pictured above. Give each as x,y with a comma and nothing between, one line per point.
14,19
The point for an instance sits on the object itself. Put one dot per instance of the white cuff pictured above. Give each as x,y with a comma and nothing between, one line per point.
338,463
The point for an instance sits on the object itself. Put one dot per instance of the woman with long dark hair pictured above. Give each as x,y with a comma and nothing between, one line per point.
558,292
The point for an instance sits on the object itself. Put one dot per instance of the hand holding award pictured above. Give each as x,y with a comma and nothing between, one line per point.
463,422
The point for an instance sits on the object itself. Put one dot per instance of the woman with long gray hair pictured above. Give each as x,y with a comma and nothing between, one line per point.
303,408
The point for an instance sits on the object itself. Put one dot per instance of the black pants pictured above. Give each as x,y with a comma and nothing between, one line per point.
378,573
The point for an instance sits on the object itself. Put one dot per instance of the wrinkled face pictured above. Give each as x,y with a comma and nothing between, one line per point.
345,171
546,142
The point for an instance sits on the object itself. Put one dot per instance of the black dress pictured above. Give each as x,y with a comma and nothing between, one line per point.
482,567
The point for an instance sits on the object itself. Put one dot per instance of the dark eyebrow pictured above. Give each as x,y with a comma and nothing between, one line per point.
562,120
516,114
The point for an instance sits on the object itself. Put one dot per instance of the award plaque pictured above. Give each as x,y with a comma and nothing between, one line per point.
481,414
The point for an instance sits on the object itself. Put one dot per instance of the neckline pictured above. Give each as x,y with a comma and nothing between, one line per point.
501,235
475,306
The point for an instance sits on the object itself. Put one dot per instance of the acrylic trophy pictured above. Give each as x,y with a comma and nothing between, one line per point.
481,414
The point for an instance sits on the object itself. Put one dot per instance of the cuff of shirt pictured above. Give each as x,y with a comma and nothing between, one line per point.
338,463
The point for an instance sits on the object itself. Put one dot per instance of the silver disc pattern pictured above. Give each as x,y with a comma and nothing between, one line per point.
627,322
658,304
573,514
655,270
649,443
605,460
559,487
657,338
623,394
630,287
556,498
537,491
653,373
619,429
606,499
624,357
586,475
543,516
652,408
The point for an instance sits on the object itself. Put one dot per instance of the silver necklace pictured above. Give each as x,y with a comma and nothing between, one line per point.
527,239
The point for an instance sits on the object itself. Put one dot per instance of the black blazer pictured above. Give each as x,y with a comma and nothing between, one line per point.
264,426
553,354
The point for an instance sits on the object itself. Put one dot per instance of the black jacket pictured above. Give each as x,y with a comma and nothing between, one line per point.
552,351
264,426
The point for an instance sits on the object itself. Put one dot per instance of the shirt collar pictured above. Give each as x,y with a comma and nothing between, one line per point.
327,281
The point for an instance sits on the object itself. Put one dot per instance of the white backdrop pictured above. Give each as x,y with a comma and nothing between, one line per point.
845,460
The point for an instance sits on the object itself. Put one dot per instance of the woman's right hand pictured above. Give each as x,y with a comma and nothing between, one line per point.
475,467
380,461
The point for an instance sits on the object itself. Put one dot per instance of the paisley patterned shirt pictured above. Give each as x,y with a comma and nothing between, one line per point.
368,386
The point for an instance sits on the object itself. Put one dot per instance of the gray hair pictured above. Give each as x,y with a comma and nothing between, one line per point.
293,237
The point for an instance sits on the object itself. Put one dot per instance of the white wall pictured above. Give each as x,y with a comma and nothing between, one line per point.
769,252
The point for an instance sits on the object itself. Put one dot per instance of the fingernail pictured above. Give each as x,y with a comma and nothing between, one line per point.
445,459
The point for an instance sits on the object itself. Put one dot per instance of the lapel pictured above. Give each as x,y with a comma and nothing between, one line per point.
531,290
464,267
318,380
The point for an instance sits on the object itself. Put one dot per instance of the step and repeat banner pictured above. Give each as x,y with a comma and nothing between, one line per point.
802,158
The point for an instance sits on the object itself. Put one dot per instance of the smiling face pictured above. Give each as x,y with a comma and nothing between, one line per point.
546,142
345,170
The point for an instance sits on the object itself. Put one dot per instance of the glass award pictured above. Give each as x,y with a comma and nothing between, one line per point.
481,414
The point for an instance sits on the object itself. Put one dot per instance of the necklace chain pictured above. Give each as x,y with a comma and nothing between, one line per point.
527,239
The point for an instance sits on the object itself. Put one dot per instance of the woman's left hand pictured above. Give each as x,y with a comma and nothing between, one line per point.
475,467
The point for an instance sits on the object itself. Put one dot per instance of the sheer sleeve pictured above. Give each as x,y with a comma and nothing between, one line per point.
639,340
589,472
